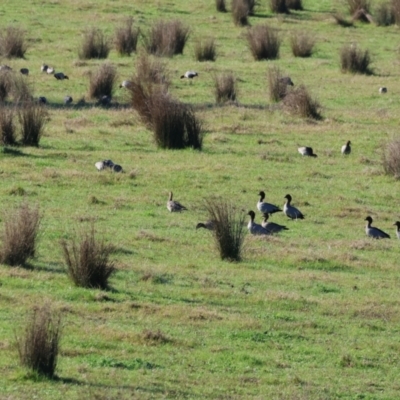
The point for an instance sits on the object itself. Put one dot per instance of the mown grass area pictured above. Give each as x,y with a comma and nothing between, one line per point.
310,314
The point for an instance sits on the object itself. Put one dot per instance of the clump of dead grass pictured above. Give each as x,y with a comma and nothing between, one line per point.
205,50
354,60
12,42
102,82
225,87
7,127
264,42
300,102
278,84
302,45
126,38
220,5
32,118
279,6
391,157
94,45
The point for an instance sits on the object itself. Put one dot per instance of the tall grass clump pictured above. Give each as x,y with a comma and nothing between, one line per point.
279,6
21,89
225,88
12,42
32,118
228,229
5,84
220,5
384,15
88,261
264,42
39,345
19,235
240,12
166,38
205,50
94,45
126,38
151,71
354,60
299,102
302,45
391,157
7,127
295,5
355,5
102,82
278,84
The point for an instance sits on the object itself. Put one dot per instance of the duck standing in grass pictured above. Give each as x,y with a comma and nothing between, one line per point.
266,207
346,149
272,227
209,225
306,151
174,206
256,229
60,76
290,211
373,232
397,225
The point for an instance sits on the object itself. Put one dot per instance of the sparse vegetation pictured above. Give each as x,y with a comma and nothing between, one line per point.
340,20
166,38
5,84
94,45
302,44
299,102
278,85
205,50
12,42
240,12
225,88
19,235
264,42
355,60
391,157
88,261
126,38
228,229
102,82
32,118
7,127
39,344
395,11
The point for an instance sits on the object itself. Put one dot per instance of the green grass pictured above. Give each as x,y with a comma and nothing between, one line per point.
310,314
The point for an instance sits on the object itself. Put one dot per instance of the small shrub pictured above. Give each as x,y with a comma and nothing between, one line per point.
32,118
302,45
279,6
225,88
391,157
12,43
340,20
102,82
39,346
5,84
355,60
94,45
278,85
126,38
264,42
19,236
205,51
21,91
220,5
384,15
88,261
240,12
228,229
295,5
300,102
166,38
151,71
7,127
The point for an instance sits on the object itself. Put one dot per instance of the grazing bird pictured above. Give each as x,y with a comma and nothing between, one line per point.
266,207
209,225
24,71
60,76
68,100
50,70
346,149
306,151
272,227
44,67
42,100
286,81
105,100
99,165
189,75
397,224
116,168
373,232
126,84
382,90
174,206
290,211
256,229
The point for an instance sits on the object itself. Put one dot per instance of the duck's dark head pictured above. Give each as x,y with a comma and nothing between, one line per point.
288,197
252,214
200,225
397,223
369,219
262,194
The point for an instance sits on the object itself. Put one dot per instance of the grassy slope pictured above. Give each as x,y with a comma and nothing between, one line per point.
311,314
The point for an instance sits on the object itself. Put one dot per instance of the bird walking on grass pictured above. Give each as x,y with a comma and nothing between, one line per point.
209,225
306,151
60,76
346,149
373,232
290,211
174,206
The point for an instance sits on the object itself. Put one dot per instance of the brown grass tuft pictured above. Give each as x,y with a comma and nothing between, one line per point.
19,236
6,81
32,118
300,102
264,42
395,8
205,50
102,82
7,127
88,261
126,38
384,14
155,337
39,345
240,12
391,157
12,42
340,20
354,60
225,88
278,84
302,45
94,45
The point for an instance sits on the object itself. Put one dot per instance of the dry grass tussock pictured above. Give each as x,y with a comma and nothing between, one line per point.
126,38
102,82
19,235
278,84
302,45
225,88
354,60
205,50
395,8
340,20
88,262
166,38
228,230
384,15
391,157
240,12
32,118
94,45
300,102
39,344
6,80
264,42
12,42
7,127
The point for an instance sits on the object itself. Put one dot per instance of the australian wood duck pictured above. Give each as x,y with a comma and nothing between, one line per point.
373,232
290,211
174,206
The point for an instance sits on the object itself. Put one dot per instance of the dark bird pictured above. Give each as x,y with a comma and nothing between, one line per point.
254,228
373,232
24,71
346,149
42,100
286,81
397,224
272,227
68,100
209,225
266,207
60,76
290,211
306,151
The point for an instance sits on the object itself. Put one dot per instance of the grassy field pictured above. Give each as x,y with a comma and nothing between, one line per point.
313,313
